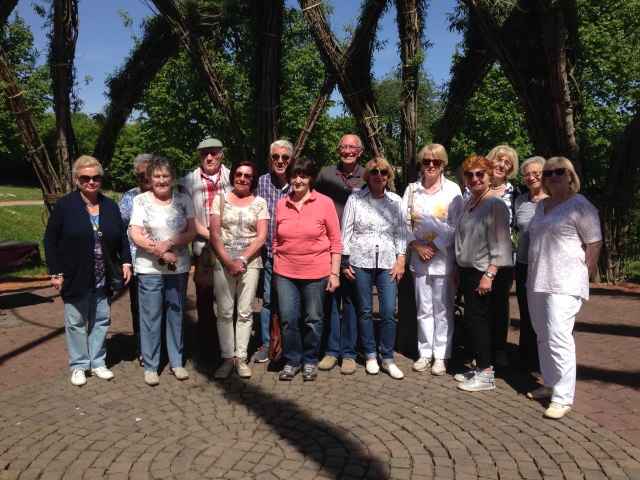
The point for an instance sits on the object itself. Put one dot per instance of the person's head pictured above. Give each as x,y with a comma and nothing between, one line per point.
88,173
559,171
378,172
161,172
478,174
140,169
244,175
432,159
301,174
210,155
531,170
280,155
505,162
350,149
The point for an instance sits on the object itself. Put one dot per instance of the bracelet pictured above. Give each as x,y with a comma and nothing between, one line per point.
57,275
335,274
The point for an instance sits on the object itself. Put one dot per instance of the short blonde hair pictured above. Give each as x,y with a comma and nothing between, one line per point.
382,164
510,153
86,161
435,149
574,183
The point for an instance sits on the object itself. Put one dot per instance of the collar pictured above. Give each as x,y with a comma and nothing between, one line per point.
312,197
419,185
210,177
276,184
356,173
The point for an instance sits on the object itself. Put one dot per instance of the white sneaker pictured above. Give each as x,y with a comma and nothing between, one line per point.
103,373
438,368
78,377
557,410
225,369
242,369
393,370
480,382
372,366
421,364
463,377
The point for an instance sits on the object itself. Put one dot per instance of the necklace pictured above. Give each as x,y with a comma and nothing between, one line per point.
473,204
167,201
499,186
346,180
87,202
560,199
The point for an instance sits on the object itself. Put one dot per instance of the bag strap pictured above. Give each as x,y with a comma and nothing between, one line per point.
222,200
95,227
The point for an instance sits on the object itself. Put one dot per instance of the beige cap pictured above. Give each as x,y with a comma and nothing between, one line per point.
210,142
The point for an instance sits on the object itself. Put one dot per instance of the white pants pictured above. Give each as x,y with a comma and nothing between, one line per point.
553,318
234,344
434,301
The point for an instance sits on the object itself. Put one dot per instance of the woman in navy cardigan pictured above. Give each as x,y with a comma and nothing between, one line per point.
77,265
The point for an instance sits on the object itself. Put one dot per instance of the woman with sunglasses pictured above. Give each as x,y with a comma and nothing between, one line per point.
483,247
237,236
73,249
373,248
564,246
162,226
432,206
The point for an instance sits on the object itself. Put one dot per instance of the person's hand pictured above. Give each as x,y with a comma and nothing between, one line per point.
160,248
425,251
236,267
333,283
484,287
349,274
170,257
57,283
397,271
126,273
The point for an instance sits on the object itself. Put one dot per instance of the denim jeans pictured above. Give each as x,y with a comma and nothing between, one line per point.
342,329
301,316
265,313
86,323
161,294
135,312
366,278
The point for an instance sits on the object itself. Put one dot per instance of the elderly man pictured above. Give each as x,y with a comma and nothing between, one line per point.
337,182
202,185
272,187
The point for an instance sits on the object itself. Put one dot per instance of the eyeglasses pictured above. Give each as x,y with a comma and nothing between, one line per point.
506,163
141,175
248,176
376,171
469,175
532,175
206,153
436,163
87,178
275,157
557,171
349,147
172,266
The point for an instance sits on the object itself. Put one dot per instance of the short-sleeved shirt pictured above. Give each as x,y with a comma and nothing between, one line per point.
333,183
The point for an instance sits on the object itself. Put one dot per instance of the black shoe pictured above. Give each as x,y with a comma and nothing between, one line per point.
309,372
288,372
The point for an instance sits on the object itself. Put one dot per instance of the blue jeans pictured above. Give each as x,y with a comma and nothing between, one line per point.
265,313
366,278
301,315
341,339
160,294
86,323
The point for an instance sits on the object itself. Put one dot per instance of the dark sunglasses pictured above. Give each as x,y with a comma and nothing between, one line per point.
141,175
469,175
171,266
86,178
557,171
275,157
436,163
376,171
248,176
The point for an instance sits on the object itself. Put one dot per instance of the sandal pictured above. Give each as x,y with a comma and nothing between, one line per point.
141,361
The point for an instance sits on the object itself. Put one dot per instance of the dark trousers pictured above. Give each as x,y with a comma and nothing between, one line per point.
207,328
135,312
499,308
528,349
477,322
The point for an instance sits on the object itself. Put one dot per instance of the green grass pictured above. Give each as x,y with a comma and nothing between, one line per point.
23,223
9,193
632,270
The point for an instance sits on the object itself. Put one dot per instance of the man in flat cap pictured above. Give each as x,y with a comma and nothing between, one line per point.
202,185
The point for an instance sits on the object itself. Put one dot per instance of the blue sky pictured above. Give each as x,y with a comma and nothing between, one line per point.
104,41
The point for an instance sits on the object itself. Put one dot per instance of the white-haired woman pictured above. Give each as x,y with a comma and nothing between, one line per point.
564,246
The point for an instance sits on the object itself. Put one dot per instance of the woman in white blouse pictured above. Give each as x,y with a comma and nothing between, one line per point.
432,205
373,247
564,246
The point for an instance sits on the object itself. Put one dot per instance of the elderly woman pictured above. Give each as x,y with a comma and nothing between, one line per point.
525,207
238,230
483,247
373,248
126,205
565,242
505,167
306,252
76,261
433,205
162,225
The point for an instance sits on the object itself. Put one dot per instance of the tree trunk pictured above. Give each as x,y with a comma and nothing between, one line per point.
6,7
317,109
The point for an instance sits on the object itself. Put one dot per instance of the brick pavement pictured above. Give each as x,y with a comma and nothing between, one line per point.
337,427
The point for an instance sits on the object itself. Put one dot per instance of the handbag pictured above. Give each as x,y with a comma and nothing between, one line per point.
275,336
113,270
203,272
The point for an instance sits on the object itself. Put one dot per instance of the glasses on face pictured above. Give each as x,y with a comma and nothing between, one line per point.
349,147
275,157
532,175
469,175
507,164
248,176
172,266
557,171
213,154
435,162
87,178
376,171
141,175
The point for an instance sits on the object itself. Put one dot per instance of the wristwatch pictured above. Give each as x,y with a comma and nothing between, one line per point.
244,260
490,274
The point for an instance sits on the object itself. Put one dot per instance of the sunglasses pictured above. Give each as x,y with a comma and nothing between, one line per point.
376,171
557,171
436,163
141,175
87,178
469,175
275,157
171,266
248,176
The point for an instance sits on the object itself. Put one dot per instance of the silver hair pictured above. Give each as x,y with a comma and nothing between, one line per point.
281,144
530,161
141,159
359,141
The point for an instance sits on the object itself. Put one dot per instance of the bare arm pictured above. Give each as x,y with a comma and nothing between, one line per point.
591,256
334,280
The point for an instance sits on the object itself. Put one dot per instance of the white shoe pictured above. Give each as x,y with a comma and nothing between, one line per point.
242,369
78,377
438,368
421,364
103,373
372,366
225,369
463,377
480,382
393,370
557,410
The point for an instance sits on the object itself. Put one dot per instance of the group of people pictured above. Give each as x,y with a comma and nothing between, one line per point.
322,241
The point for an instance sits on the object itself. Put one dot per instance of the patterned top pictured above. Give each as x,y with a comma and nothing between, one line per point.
556,250
160,222
269,189
126,205
371,226
99,272
434,220
239,227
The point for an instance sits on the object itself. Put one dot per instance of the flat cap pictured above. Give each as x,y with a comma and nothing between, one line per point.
210,142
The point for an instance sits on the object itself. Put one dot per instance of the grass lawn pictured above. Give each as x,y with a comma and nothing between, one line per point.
9,193
23,223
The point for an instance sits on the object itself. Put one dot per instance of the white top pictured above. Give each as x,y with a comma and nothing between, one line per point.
434,220
160,222
557,247
368,224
